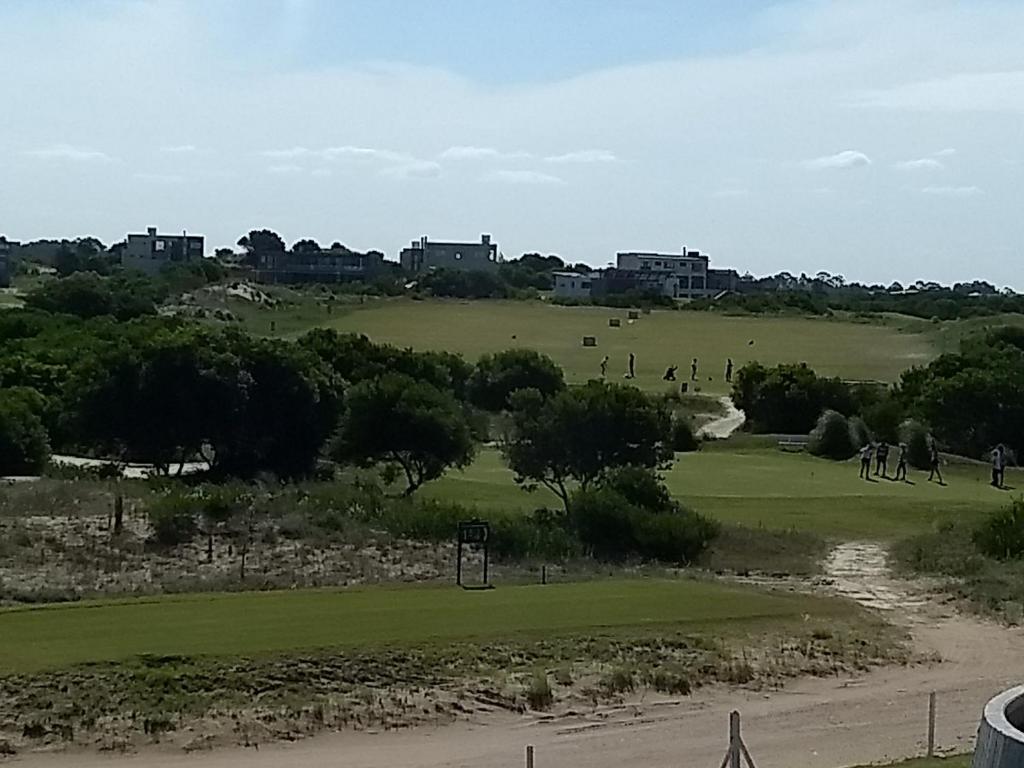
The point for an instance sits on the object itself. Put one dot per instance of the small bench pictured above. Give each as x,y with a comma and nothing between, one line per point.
792,446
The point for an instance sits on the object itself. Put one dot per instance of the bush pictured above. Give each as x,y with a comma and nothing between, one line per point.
24,444
173,519
832,437
497,376
683,438
859,432
915,435
632,514
1002,535
538,692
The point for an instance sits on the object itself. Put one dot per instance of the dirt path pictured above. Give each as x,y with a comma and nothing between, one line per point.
814,723
724,426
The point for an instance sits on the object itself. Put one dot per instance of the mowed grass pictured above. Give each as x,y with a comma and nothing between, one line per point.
660,339
247,624
772,489
957,761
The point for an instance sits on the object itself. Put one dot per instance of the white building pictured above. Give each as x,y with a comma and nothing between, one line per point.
681,275
574,285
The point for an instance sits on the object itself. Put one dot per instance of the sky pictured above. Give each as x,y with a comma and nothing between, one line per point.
877,140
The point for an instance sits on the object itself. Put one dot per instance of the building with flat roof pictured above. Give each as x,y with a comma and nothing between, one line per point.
576,285
424,255
149,253
324,266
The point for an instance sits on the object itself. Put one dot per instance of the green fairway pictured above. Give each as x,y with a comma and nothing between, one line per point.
662,338
771,489
252,623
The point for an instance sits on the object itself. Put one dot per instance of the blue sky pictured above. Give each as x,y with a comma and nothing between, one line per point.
880,139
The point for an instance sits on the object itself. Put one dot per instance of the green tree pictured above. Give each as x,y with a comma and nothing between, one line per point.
24,444
497,376
307,245
788,397
832,437
579,434
258,241
406,423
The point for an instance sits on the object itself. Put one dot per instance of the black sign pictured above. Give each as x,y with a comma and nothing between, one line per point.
475,532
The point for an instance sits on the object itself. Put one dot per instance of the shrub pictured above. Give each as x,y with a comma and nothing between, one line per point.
915,435
497,376
619,680
832,437
674,537
173,519
538,692
1002,535
683,438
673,679
859,432
24,444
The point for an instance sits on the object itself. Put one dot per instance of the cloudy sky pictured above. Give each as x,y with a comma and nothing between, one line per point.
881,140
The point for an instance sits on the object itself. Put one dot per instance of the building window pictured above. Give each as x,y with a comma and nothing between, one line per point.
458,257
159,245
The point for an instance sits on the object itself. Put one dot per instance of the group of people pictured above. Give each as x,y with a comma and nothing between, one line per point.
670,372
880,452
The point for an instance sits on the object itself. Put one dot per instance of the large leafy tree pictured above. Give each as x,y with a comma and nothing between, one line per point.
574,437
24,445
406,423
497,376
788,397
258,241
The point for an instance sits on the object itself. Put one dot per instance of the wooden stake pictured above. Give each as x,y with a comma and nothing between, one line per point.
931,724
529,756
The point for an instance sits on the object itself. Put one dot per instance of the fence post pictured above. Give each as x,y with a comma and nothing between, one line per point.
529,756
931,724
734,739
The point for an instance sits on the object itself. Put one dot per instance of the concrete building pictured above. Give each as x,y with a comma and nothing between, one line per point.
576,285
8,248
686,275
150,252
333,266
680,275
424,255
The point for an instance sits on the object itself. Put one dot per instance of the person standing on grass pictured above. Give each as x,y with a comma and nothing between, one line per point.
632,366
604,366
728,370
693,370
998,465
901,465
865,461
933,461
882,459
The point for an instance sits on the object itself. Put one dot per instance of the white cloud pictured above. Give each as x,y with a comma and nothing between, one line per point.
284,154
481,153
947,152
921,164
584,156
416,169
160,178
365,153
848,158
284,168
730,192
321,172
179,149
959,92
949,191
523,177
68,152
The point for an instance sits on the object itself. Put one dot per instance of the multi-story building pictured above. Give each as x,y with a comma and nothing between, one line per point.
424,255
150,252
333,266
685,275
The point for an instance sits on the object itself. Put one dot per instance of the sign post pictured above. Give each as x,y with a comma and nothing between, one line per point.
478,533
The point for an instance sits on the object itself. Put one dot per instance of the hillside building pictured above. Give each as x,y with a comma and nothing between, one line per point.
324,266
150,252
424,255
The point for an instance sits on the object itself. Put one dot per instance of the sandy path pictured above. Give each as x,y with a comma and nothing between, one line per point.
814,723
724,426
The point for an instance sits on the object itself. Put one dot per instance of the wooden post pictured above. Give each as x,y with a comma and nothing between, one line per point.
543,574
458,566
529,756
734,739
931,724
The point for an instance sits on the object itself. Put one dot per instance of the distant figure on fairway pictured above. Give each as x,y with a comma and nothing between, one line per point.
901,464
604,366
670,373
693,370
865,461
933,461
631,373
998,465
882,459
728,370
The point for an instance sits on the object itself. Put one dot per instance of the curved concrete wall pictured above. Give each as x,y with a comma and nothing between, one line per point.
1001,735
